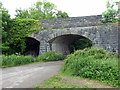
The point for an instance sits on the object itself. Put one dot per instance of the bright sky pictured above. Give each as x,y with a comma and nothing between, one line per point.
74,8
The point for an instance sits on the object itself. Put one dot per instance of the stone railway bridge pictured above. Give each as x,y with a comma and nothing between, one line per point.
59,34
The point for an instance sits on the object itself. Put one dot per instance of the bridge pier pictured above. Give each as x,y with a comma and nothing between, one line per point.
44,47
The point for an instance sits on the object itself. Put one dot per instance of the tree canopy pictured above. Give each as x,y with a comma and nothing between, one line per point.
111,14
6,20
41,10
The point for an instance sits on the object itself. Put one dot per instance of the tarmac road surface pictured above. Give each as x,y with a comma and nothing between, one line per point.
28,76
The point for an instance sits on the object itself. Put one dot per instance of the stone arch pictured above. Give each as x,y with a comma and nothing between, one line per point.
35,36
32,46
60,41
85,34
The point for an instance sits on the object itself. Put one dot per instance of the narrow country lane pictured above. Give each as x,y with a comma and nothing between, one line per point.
27,76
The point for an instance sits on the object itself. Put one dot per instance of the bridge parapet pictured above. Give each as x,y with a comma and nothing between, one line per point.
72,22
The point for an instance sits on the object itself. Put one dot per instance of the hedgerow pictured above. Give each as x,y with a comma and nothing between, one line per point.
93,63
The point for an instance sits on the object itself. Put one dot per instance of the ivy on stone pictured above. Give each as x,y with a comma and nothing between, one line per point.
20,28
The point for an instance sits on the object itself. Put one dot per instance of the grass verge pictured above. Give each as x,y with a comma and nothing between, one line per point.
61,80
16,60
58,81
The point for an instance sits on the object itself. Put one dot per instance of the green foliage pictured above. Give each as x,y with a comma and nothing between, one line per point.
111,14
14,60
14,31
41,10
20,28
5,25
50,56
80,44
93,63
57,81
22,13
61,14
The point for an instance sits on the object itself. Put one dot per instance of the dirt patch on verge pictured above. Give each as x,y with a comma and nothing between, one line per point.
85,82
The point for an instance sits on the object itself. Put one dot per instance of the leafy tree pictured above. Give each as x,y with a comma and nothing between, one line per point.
61,14
5,21
22,13
41,10
111,14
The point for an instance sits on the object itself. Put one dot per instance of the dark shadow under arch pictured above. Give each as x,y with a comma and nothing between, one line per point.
32,46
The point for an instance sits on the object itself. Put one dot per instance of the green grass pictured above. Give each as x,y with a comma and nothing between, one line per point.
94,63
57,81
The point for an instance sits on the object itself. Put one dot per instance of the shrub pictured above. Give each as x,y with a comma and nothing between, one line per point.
13,60
94,63
50,56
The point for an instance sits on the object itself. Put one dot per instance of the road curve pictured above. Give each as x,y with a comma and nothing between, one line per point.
27,76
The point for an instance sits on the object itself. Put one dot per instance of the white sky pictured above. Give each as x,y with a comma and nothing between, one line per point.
74,8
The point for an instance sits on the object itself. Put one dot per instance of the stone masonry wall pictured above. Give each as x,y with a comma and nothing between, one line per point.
102,35
72,22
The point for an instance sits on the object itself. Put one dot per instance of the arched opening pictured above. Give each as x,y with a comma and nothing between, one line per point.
66,44
80,44
32,46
